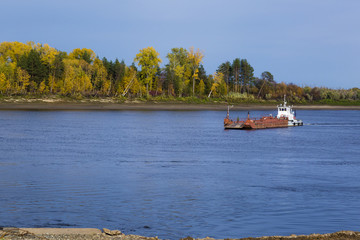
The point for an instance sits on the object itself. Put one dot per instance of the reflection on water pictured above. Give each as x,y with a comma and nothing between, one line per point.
174,174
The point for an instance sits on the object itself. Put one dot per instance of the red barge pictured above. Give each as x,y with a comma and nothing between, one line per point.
286,117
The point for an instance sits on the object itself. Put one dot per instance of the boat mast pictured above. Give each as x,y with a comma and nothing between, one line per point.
228,111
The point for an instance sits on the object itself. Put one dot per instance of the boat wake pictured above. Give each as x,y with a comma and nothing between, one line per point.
333,124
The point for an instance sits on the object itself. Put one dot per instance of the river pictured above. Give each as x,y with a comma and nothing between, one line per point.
174,174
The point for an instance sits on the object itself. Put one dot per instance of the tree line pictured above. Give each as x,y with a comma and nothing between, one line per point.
38,69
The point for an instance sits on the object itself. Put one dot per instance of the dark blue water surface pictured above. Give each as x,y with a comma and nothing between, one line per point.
176,173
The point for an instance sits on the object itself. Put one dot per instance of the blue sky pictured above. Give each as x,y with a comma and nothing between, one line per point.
306,42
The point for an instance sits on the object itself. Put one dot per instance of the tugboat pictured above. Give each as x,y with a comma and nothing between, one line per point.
286,117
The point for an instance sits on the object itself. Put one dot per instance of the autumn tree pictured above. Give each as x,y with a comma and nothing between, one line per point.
23,80
47,53
101,83
57,70
34,66
281,90
4,84
85,54
76,80
219,86
9,70
12,51
49,58
148,59
28,68
130,84
195,58
201,89
204,78
178,69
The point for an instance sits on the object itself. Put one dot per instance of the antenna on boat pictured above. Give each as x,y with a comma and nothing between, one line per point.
285,100
228,111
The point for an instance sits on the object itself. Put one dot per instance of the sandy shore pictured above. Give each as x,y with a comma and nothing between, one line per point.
93,233
56,106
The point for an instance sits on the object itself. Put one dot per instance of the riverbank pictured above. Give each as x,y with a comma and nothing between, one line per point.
106,234
151,106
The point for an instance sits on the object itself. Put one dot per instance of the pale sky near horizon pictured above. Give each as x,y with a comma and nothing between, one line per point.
306,42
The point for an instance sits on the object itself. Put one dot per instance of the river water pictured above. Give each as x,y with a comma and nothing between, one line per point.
178,173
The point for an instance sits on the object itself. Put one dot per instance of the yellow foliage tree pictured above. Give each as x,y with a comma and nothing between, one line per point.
5,85
201,87
149,60
52,83
85,54
179,69
81,81
218,84
68,84
106,87
195,58
101,82
47,53
130,83
76,80
43,88
23,80
12,51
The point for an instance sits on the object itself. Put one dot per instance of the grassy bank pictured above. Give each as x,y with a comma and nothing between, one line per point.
171,100
51,104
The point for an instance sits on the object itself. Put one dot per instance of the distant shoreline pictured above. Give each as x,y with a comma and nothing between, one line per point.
108,106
